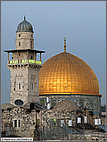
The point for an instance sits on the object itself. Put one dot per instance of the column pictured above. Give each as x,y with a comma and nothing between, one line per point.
40,56
8,58
34,55
27,57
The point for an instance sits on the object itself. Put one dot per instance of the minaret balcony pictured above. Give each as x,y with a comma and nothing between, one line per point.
24,61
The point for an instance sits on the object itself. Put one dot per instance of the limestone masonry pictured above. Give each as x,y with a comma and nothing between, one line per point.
58,100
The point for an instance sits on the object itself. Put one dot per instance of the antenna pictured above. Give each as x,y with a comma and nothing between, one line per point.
24,17
64,45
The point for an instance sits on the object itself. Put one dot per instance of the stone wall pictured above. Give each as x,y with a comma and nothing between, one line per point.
24,83
26,40
88,101
49,120
27,119
19,74
88,137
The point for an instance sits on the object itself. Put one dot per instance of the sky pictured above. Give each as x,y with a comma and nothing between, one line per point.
82,23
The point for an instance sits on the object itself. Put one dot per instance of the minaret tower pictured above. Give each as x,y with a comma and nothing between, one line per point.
24,66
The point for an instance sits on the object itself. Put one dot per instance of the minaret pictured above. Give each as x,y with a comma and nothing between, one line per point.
24,36
24,66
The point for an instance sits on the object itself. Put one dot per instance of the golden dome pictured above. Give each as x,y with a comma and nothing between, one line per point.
67,74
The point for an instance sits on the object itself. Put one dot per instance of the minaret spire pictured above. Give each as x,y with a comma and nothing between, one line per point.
64,45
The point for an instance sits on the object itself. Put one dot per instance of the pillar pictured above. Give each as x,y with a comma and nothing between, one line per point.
40,56
8,57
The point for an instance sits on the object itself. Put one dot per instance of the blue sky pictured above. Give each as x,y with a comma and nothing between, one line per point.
82,23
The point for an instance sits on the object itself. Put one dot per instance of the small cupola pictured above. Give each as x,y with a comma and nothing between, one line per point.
24,26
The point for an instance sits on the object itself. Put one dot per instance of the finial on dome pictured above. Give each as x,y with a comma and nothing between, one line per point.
64,45
24,17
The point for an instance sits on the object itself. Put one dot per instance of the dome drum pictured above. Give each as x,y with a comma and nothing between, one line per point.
88,101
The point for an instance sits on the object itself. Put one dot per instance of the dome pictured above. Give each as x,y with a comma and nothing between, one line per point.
24,26
65,105
67,74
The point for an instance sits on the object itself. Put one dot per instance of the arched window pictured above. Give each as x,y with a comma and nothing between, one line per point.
19,85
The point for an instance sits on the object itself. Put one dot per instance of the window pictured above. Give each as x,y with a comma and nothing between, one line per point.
14,85
19,102
19,35
19,43
32,106
31,57
19,86
15,123
32,86
19,123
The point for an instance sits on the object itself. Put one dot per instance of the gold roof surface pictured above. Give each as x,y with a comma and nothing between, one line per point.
67,74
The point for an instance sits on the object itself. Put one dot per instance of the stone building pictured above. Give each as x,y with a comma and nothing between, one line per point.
67,121
61,100
24,67
22,121
67,110
33,120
